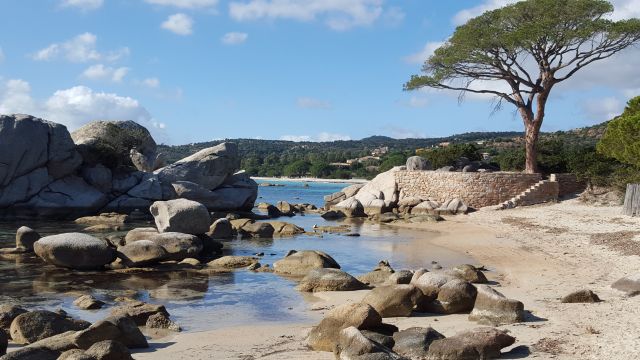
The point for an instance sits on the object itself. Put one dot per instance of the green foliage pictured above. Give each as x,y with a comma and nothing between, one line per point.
394,159
297,169
621,140
511,159
321,170
448,156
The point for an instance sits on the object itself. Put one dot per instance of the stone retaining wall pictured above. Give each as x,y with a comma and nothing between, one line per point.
475,189
569,184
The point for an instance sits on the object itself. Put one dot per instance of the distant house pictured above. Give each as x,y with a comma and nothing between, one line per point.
380,151
444,144
341,165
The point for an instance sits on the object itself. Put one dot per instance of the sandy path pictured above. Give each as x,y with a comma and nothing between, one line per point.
536,254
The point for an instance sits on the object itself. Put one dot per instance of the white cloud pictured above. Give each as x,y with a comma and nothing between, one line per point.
625,9
311,103
599,110
321,137
84,5
234,38
81,48
421,56
397,132
101,72
151,82
336,14
77,106
180,24
185,4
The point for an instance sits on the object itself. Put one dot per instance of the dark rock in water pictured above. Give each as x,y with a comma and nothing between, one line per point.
221,229
285,208
233,262
333,215
418,163
26,237
210,246
161,321
479,343
414,342
257,230
32,326
181,215
7,314
4,343
628,284
88,302
329,280
284,229
581,296
75,251
325,336
138,311
352,234
109,350
493,308
104,219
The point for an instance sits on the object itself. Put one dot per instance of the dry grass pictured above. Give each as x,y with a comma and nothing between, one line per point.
620,241
525,224
549,346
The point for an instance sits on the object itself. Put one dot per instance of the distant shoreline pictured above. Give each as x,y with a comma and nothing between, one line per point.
316,180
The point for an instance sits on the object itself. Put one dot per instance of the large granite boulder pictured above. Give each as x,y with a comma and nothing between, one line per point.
7,314
238,192
354,345
32,326
456,296
418,163
379,275
75,251
119,328
142,253
468,273
178,246
110,143
394,300
329,280
138,311
350,207
382,187
325,336
233,262
208,168
181,215
414,342
300,263
479,343
30,165
221,229
493,308
26,237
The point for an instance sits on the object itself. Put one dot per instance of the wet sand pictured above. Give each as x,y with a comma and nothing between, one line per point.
535,254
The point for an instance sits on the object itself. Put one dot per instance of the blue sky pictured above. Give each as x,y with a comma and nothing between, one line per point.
197,70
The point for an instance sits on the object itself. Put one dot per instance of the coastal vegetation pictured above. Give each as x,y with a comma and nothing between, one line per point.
530,47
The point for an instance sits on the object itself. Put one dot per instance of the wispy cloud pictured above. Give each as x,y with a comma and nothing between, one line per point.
181,24
185,4
81,48
321,137
107,73
234,38
421,56
84,5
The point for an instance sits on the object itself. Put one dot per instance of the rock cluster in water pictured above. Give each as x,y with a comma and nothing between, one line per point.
108,166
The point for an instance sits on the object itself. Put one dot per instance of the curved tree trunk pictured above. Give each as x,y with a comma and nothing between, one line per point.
531,146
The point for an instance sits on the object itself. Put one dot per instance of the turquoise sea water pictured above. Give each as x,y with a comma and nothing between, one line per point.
201,301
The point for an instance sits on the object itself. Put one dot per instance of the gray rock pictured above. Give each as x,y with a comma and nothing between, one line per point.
120,328
332,215
379,275
75,251
350,207
446,169
181,215
353,345
300,263
137,311
161,321
233,262
238,193
493,308
140,234
394,300
325,336
400,277
109,350
208,168
283,229
110,142
431,282
221,229
352,190
88,302
414,342
333,199
418,163
475,344
142,253
32,326
26,237
74,354
179,246
468,273
98,176
382,339
149,188
456,296
581,296
257,230
29,353
329,280
629,284
7,314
